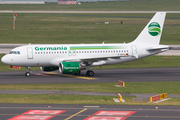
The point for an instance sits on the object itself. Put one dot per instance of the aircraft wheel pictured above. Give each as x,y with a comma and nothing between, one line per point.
90,73
27,74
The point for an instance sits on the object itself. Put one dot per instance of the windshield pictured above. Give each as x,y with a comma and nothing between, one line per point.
14,52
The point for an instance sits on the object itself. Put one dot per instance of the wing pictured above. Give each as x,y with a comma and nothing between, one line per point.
87,61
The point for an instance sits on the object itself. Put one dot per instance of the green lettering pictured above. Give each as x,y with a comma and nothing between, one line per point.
41,48
49,48
58,48
36,48
54,48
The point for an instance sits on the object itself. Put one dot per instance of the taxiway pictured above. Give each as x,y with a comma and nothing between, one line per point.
101,76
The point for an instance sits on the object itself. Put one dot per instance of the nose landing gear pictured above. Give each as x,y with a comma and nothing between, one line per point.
27,74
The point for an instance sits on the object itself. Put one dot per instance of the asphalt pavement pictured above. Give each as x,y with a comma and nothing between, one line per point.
89,112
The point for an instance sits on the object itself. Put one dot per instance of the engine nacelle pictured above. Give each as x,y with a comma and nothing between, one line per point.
49,68
69,67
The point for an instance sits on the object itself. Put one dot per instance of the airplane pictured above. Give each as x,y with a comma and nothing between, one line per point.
72,58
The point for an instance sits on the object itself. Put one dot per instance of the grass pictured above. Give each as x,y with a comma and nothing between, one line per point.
76,99
131,87
132,5
82,28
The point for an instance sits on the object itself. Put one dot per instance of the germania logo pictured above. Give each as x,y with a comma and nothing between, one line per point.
154,29
50,48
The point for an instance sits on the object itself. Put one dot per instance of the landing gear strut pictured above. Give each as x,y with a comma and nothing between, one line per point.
27,74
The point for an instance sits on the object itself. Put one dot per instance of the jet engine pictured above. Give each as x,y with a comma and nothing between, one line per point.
69,67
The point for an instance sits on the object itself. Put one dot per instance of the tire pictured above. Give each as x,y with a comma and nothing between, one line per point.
90,73
27,74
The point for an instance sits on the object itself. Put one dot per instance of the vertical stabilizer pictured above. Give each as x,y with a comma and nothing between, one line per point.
151,34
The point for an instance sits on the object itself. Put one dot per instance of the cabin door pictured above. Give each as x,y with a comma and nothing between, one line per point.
134,50
29,53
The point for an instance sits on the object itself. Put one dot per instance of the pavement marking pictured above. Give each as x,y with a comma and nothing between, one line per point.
81,77
155,116
40,74
76,114
92,106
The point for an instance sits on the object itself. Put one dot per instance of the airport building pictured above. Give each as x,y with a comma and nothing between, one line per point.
51,1
22,2
80,1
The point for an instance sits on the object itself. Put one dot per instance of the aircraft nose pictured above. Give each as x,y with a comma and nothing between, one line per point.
4,59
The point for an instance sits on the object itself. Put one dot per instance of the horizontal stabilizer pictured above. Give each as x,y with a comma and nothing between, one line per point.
158,47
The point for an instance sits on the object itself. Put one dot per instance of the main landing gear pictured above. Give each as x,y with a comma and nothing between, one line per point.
27,74
90,73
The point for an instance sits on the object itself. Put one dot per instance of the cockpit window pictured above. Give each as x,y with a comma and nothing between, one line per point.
14,52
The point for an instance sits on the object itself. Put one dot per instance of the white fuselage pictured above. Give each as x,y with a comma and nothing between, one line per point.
52,54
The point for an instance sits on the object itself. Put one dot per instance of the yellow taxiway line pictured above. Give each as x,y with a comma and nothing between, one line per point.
76,114
81,77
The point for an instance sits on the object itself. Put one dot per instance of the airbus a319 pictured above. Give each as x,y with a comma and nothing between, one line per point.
72,58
